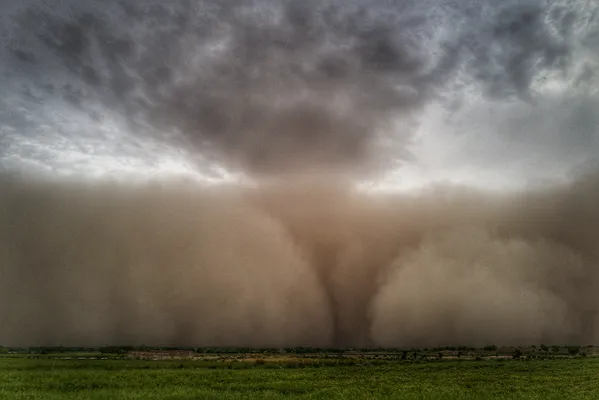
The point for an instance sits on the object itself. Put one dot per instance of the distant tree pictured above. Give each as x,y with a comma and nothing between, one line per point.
544,348
490,348
555,349
517,353
573,350
3,350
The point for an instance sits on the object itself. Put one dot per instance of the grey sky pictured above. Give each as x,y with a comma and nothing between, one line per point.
404,92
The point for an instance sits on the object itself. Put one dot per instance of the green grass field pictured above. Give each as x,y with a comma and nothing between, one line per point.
48,378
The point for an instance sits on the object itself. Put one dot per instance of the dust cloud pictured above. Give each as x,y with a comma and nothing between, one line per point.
313,262
280,92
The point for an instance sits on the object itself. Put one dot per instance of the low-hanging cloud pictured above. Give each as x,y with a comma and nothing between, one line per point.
309,263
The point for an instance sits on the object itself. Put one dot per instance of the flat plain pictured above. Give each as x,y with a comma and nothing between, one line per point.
413,374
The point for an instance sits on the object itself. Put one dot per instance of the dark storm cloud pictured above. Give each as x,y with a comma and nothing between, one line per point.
522,41
272,86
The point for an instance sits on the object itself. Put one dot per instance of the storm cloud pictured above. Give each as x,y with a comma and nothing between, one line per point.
268,87
305,99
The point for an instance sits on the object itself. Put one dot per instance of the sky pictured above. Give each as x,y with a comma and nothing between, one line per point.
290,101
398,94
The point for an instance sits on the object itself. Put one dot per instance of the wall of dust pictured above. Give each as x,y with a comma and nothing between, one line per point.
98,264
311,262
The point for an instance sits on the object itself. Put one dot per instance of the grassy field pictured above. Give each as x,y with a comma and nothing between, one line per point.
54,377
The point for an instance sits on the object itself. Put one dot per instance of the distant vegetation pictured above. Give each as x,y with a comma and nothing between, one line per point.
276,376
409,354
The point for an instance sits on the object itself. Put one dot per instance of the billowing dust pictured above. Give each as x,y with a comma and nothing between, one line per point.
313,262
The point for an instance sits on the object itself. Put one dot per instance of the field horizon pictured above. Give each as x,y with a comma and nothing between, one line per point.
306,355
525,373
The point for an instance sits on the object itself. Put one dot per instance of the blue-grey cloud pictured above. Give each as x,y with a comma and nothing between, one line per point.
269,86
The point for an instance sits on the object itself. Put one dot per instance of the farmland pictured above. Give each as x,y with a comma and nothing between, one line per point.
527,373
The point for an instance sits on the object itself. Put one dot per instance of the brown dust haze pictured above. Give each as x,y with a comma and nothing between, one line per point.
270,88
312,262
